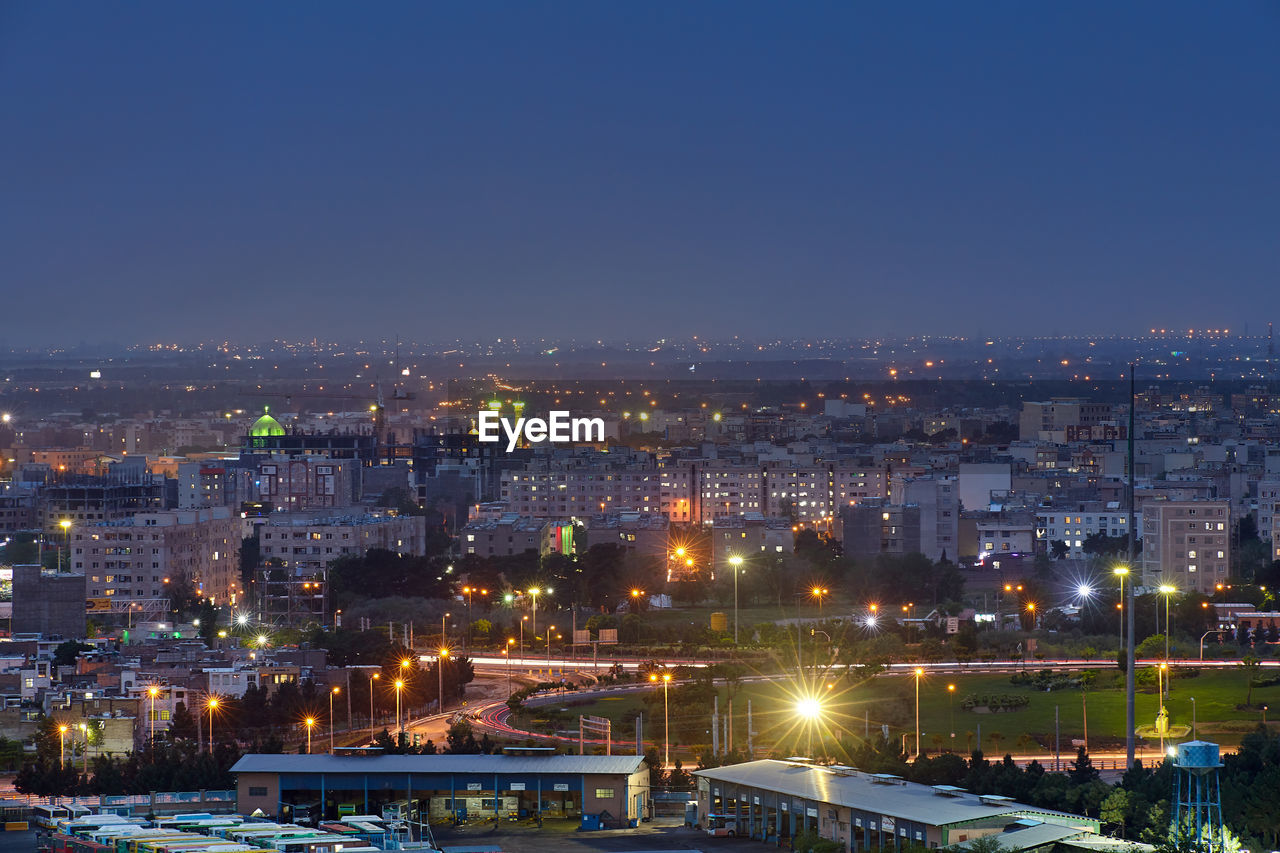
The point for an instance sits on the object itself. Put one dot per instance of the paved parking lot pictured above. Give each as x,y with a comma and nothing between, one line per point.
665,835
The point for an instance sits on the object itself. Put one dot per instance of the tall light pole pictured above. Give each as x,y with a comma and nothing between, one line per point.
444,655
819,592
84,730
666,719
444,635
372,678
951,707
310,724
1121,572
534,592
919,674
506,650
333,692
736,562
65,524
523,619
153,691
1167,591
399,722
62,746
212,705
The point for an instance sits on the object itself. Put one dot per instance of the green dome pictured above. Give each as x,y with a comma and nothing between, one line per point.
266,425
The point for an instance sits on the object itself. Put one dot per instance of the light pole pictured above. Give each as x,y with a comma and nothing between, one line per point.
65,524
212,705
444,636
736,562
819,592
399,722
444,655
84,730
951,707
919,673
153,691
1121,572
1167,591
62,746
332,693
506,650
372,678
666,719
1193,718
310,723
534,592
523,619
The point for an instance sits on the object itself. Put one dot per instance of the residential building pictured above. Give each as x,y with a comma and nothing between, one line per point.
1186,544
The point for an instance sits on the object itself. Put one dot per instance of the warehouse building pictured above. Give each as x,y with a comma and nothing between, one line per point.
775,801
597,790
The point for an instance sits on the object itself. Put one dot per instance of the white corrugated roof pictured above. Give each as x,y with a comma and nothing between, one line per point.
869,792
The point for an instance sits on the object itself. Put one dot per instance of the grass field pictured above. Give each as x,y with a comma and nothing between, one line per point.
851,710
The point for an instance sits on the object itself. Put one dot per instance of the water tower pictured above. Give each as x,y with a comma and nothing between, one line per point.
1197,795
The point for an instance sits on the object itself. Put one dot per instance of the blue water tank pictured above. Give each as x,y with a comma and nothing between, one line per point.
1197,755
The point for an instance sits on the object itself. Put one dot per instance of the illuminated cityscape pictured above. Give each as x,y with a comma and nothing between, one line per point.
637,428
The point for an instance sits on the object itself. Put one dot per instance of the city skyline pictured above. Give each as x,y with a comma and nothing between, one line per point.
626,173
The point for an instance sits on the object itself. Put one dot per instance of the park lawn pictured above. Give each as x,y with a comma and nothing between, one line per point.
1027,730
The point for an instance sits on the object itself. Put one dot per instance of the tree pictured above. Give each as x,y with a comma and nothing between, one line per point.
1115,809
985,844
1250,663
183,725
1060,548
66,653
1082,769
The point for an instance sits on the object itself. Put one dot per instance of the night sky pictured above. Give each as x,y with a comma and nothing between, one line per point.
193,171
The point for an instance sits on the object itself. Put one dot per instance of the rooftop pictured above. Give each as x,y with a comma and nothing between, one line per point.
876,793
607,764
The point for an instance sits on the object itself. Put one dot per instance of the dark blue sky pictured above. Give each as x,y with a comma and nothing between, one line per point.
176,171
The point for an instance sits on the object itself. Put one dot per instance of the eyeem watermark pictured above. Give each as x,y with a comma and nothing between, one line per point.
558,428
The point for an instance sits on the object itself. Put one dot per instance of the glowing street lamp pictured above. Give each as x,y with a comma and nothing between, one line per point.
951,706
1167,591
399,689
444,654
310,723
919,673
152,692
810,709
65,524
819,592
62,745
333,692
211,706
666,719
736,562
372,678
1121,572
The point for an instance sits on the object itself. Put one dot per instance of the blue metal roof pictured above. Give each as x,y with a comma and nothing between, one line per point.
622,765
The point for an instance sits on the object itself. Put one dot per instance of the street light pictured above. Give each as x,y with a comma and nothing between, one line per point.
65,524
372,678
444,654
810,708
332,693
62,746
736,562
153,691
951,706
310,723
506,650
212,705
399,721
535,592
666,719
919,674
1167,591
818,592
1121,572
